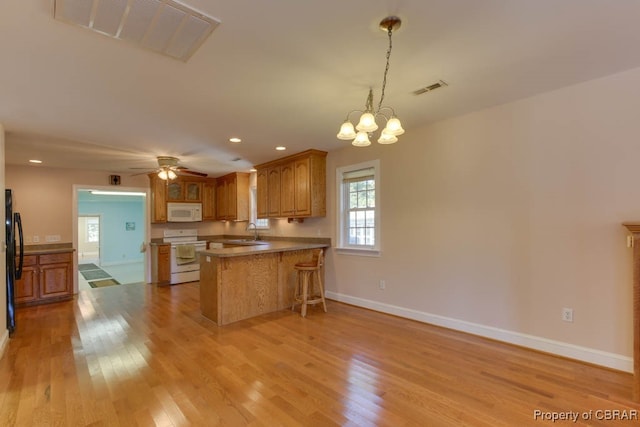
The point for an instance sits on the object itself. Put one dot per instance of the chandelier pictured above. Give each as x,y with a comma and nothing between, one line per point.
367,123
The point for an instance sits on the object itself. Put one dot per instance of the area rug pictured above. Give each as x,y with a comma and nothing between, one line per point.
95,274
103,283
85,267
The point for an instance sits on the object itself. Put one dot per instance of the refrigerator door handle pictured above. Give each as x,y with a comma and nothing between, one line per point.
18,222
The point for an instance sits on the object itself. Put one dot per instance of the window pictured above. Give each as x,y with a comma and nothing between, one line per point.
359,213
261,224
93,229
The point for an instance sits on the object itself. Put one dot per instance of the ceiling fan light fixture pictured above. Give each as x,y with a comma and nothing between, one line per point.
163,174
171,174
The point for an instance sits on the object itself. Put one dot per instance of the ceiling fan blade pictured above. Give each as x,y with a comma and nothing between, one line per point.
190,172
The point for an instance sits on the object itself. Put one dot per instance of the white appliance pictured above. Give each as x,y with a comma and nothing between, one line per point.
184,212
185,255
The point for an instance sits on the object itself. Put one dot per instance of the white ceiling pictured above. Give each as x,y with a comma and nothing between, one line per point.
284,72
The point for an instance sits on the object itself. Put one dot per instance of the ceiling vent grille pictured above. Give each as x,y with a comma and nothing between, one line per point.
162,26
429,88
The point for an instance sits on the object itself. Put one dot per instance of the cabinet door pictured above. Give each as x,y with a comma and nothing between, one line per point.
175,191
209,201
193,191
287,196
221,199
26,288
164,263
158,199
262,193
55,280
302,187
232,198
274,192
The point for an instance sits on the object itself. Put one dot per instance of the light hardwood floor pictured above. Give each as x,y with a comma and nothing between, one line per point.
141,355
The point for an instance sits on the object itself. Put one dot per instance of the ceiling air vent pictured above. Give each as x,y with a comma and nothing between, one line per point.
162,26
429,88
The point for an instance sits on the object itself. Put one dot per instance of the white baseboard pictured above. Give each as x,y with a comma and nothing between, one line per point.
585,354
4,342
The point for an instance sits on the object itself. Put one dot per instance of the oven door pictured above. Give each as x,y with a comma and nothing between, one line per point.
185,269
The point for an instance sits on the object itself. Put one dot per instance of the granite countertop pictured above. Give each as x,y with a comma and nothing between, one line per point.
44,250
262,247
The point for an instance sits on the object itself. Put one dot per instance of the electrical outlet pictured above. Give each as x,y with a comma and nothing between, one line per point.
567,314
383,284
36,239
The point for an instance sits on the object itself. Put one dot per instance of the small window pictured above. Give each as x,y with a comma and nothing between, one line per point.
261,224
359,213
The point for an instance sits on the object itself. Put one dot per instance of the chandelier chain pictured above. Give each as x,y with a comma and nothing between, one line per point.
386,69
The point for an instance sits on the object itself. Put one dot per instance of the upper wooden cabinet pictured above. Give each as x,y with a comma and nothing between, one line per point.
209,200
158,199
182,189
293,186
232,197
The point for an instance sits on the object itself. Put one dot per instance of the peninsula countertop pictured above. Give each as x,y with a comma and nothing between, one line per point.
248,247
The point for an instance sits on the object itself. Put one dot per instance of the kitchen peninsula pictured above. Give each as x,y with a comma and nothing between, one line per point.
244,279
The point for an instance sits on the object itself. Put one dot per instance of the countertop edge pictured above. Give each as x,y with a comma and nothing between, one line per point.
273,247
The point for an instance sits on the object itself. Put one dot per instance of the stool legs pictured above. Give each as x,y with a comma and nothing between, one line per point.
304,288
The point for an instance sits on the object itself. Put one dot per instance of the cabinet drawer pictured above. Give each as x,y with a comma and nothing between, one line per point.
55,258
28,260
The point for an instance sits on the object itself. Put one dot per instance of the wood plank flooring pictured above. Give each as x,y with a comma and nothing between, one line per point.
138,355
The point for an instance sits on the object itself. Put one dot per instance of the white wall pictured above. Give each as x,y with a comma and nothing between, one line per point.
494,221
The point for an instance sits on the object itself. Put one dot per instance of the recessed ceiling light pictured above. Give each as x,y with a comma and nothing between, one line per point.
253,170
235,140
35,161
281,148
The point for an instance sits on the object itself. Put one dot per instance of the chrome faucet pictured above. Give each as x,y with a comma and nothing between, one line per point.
255,230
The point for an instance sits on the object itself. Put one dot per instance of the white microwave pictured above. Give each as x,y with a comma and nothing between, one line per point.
184,212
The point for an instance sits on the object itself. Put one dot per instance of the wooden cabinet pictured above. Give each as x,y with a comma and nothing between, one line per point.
262,208
184,189
209,200
180,190
232,197
45,278
158,199
161,264
295,186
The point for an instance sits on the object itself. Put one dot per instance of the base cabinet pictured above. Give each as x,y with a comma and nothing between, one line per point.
45,278
161,264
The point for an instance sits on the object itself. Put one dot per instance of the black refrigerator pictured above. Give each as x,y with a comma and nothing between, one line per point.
14,269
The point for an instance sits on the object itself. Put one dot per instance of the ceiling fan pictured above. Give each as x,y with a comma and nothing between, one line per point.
168,168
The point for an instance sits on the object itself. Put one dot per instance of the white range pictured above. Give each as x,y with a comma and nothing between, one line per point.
185,260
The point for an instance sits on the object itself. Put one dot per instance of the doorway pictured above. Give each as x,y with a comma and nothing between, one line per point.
89,239
110,236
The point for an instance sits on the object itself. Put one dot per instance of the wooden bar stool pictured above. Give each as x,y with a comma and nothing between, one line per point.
304,290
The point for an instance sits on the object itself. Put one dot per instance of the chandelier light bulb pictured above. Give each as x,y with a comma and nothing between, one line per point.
394,127
362,139
347,132
387,138
367,123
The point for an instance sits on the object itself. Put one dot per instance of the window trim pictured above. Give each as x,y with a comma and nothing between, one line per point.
342,246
